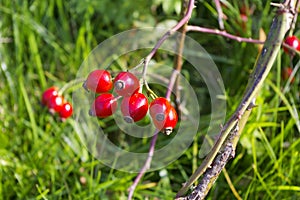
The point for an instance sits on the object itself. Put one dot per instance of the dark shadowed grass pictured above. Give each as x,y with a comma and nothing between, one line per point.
42,158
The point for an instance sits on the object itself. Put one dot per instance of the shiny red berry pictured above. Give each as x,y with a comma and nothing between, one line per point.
158,108
163,115
98,81
55,104
126,84
171,121
66,111
49,93
293,42
134,108
104,105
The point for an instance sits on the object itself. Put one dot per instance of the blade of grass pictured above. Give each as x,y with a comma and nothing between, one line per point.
254,166
291,108
36,58
29,109
227,177
268,146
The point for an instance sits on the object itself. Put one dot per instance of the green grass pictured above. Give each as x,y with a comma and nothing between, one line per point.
42,158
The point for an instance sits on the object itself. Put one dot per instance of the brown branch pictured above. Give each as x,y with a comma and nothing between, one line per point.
223,33
145,167
224,149
181,23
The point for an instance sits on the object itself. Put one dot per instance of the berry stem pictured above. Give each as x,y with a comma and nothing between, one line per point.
138,65
70,84
150,92
291,49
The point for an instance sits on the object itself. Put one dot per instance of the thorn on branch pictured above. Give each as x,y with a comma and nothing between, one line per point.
252,104
278,5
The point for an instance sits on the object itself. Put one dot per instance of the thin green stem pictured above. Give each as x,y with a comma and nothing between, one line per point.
71,84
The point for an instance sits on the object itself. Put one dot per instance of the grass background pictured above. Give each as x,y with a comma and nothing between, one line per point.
43,43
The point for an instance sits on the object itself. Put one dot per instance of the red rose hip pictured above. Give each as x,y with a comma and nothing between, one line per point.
171,121
55,104
293,42
134,108
98,81
158,108
49,93
66,111
163,114
104,105
166,123
126,84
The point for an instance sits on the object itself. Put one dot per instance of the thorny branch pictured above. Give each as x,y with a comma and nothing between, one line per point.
224,149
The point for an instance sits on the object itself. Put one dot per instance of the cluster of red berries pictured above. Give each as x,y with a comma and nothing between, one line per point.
293,42
134,105
56,103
